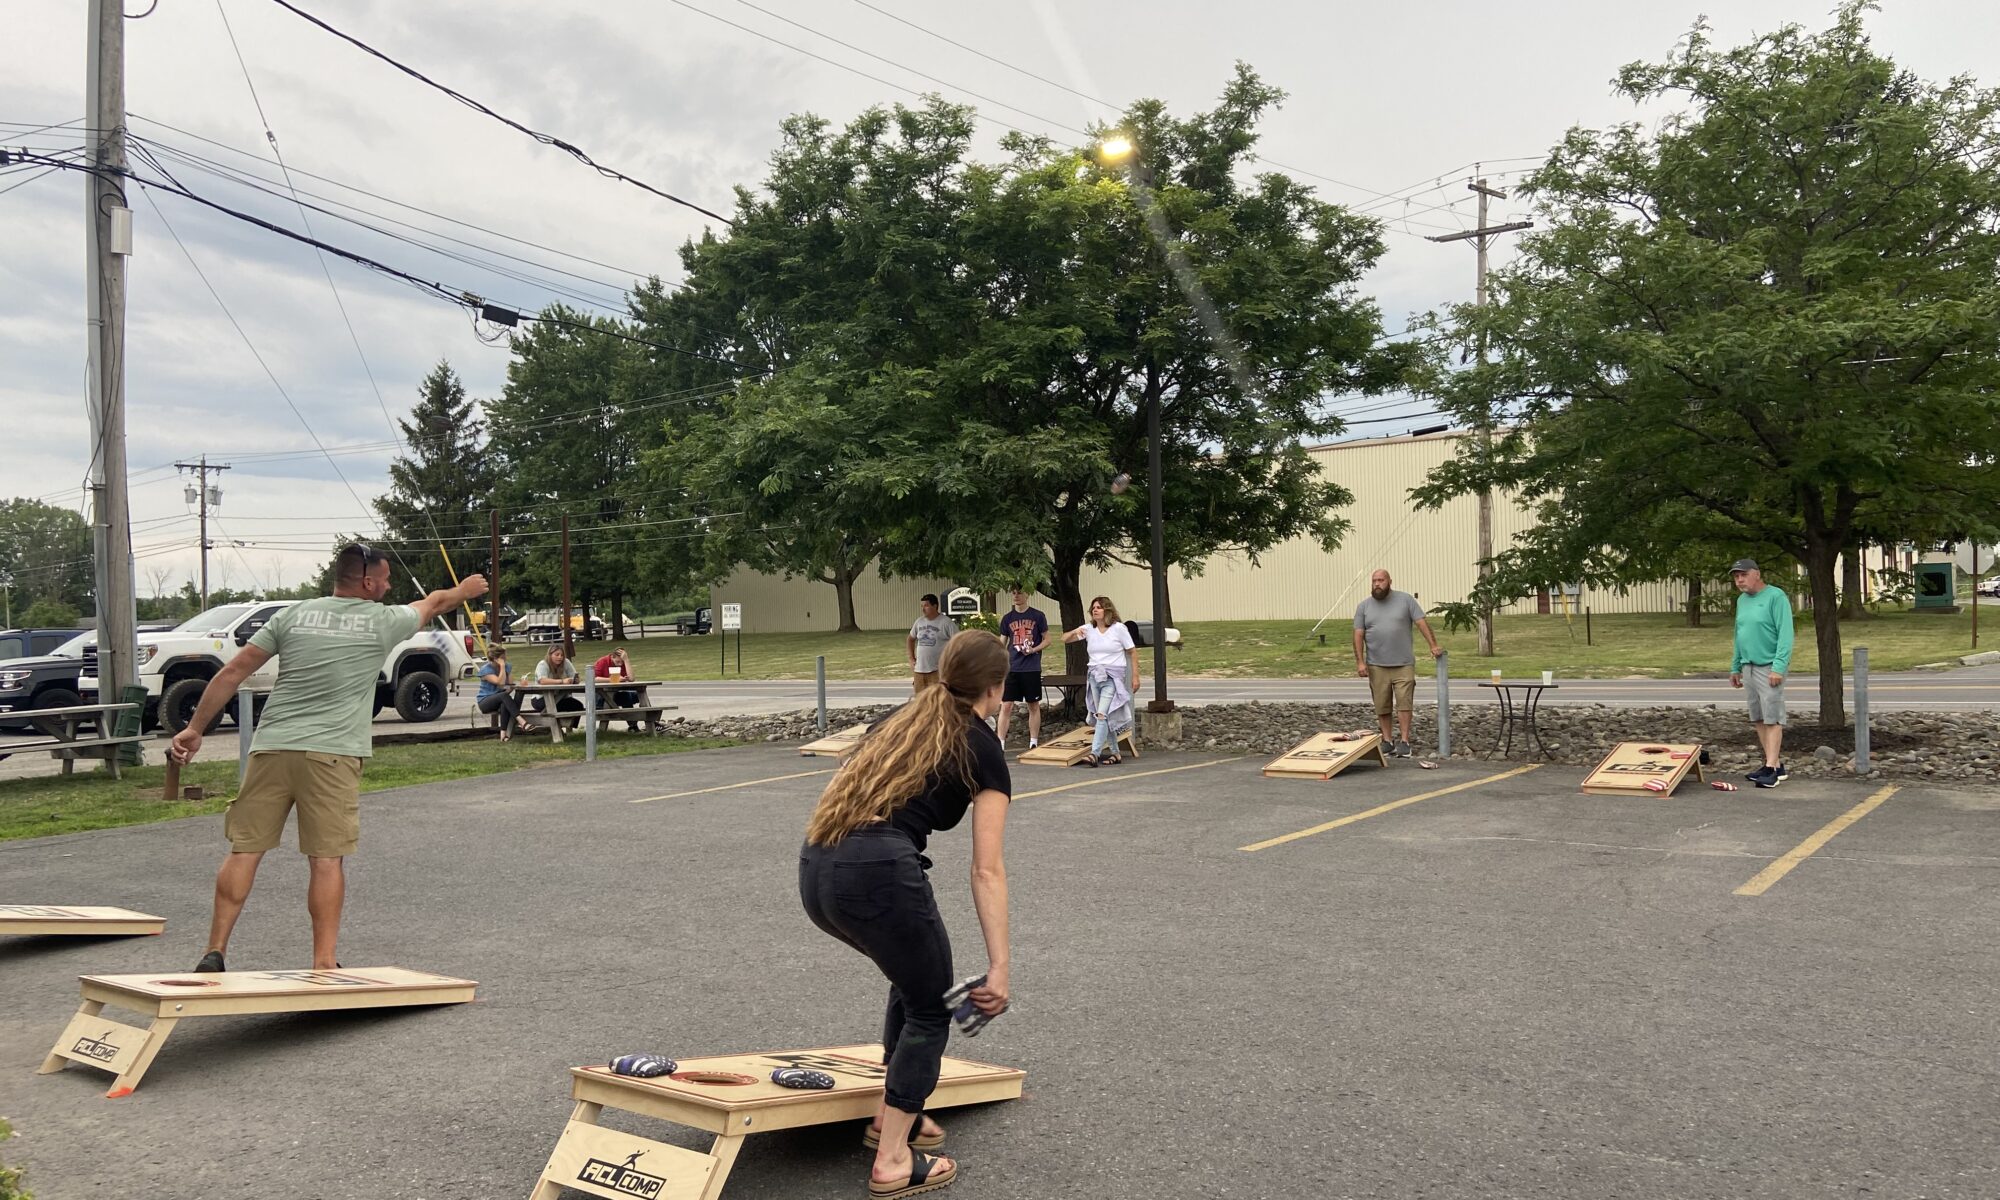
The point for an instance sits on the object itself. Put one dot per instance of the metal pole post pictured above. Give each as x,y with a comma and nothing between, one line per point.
493,583
569,643
1861,710
1444,704
107,242
1153,485
820,671
246,729
590,715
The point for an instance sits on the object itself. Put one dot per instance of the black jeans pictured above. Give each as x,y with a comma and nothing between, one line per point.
871,892
506,703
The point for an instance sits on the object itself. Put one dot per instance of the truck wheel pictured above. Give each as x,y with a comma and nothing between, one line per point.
420,696
382,698
55,697
178,702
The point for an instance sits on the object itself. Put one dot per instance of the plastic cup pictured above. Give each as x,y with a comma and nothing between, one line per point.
1548,678
1496,677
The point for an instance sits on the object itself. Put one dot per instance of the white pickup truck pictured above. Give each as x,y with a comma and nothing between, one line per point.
417,675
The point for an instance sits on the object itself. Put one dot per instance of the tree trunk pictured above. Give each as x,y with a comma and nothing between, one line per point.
843,593
1850,583
1826,633
1694,601
617,616
1068,591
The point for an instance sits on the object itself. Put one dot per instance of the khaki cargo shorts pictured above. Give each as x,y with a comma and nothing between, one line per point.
326,788
1394,689
919,680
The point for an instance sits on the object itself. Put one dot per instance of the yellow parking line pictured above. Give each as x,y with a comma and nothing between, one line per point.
728,786
1762,881
1379,809
1116,775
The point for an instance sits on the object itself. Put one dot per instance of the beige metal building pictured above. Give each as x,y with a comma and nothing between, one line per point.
1432,554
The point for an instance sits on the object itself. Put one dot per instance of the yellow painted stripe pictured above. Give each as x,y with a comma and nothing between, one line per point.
1762,881
1117,775
1379,809
724,787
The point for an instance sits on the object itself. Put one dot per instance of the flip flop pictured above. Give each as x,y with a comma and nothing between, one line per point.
871,1137
921,1179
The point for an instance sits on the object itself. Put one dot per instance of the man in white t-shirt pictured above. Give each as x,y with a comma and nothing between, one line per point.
926,642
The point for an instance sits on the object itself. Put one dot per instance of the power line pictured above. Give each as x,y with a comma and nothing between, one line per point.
476,106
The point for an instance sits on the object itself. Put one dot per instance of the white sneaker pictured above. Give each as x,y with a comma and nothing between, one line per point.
1033,743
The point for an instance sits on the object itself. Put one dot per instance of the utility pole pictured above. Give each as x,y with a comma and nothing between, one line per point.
204,496
107,243
1480,237
569,642
493,584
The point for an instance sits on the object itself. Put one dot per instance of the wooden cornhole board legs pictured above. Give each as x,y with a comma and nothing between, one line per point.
731,1096
839,744
127,1050
1626,769
44,919
1072,748
1324,755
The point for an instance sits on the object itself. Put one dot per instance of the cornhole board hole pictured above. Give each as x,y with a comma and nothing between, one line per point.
836,745
1626,769
39,918
127,1050
1324,755
1073,747
730,1096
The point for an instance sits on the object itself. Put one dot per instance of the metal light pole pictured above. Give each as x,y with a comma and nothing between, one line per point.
1113,151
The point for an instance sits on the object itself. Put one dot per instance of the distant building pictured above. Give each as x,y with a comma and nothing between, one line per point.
1430,553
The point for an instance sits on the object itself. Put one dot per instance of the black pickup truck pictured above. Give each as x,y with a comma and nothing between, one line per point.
40,669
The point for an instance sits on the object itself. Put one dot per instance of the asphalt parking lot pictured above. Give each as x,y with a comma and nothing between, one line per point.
1468,982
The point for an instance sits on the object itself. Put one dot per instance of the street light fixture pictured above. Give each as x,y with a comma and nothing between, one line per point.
1116,150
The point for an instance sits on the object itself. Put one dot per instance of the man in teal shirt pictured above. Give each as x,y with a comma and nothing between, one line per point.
1762,660
309,746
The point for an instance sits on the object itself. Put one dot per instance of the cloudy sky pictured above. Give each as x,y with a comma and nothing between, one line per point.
1391,108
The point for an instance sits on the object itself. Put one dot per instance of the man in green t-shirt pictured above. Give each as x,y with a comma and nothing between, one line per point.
1762,659
313,736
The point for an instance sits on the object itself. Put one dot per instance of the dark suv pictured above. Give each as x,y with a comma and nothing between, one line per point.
47,678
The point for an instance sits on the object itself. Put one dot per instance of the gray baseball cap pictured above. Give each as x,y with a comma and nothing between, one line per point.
1743,564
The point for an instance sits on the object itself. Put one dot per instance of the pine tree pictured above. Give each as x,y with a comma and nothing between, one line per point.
440,485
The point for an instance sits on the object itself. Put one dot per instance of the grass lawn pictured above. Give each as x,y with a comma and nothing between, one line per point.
1651,644
91,799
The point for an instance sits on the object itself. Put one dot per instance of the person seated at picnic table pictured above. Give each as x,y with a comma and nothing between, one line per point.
555,668
621,662
496,692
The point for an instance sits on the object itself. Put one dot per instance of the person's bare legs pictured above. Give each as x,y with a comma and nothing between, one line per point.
1771,739
1403,718
232,888
929,1128
326,892
892,1157
1006,711
1388,731
1034,720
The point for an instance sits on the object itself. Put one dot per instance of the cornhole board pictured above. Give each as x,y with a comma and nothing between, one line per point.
730,1096
1626,769
127,1050
1072,748
836,745
41,918
1324,755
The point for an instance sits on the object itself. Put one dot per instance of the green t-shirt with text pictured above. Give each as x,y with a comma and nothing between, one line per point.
330,650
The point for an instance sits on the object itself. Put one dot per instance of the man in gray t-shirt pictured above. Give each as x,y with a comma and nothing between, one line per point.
1383,654
926,642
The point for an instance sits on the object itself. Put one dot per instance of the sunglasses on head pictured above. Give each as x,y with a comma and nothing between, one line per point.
369,554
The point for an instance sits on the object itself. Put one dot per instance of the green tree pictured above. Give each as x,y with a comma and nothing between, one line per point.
441,484
566,436
49,613
1775,311
46,553
845,279
1228,297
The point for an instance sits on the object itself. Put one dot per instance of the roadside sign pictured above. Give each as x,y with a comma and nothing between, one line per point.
732,616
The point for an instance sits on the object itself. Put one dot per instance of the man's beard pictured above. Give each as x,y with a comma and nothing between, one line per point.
1380,593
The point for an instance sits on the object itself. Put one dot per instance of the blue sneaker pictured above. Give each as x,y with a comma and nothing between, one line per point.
1782,773
1770,777
1759,775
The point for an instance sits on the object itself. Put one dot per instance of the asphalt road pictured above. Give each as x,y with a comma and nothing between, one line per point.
1499,990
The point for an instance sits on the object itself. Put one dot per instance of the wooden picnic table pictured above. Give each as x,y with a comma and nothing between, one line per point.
642,712
73,732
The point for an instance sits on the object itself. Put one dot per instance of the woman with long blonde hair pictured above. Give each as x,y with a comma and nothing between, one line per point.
862,878
1112,678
